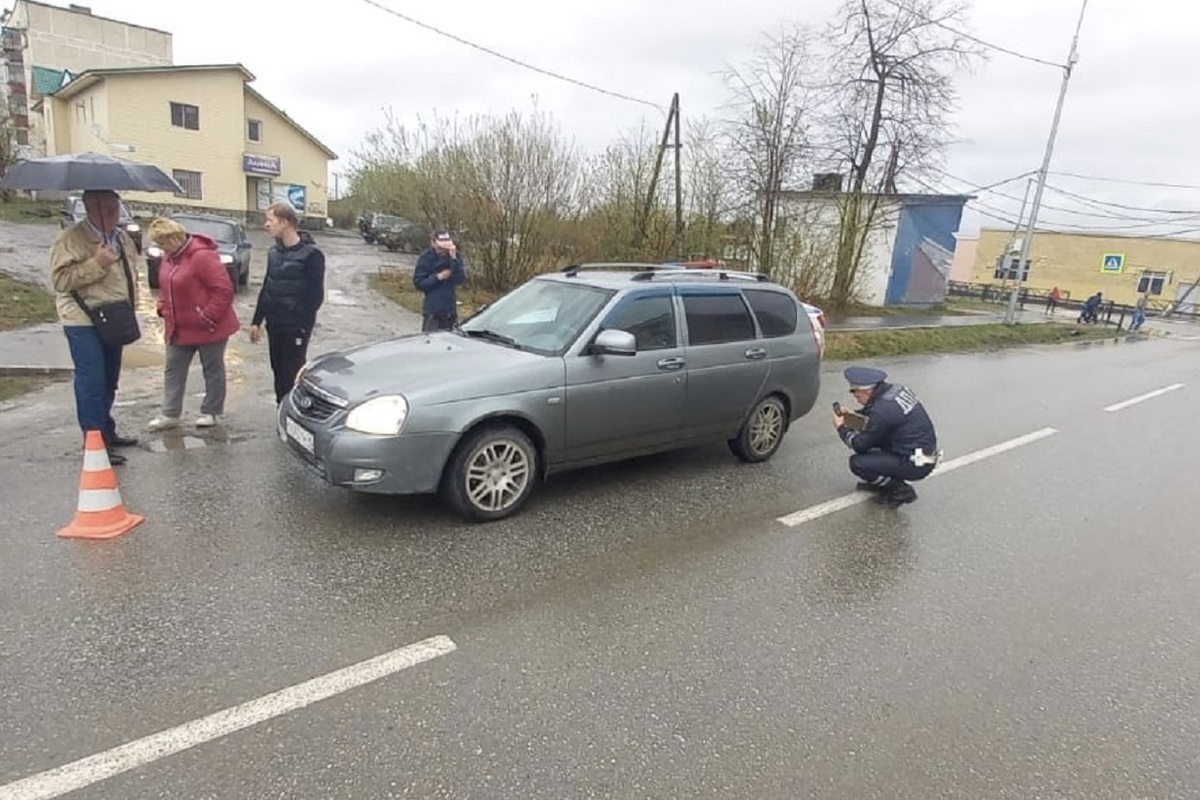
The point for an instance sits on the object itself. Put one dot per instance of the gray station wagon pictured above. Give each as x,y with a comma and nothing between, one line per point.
593,364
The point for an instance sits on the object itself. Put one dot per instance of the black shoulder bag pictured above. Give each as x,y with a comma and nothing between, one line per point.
116,322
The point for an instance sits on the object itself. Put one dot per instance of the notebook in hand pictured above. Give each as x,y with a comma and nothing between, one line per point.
854,420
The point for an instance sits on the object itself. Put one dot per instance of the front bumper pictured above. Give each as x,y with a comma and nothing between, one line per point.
404,464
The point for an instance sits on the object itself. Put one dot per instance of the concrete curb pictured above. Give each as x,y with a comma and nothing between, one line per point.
16,371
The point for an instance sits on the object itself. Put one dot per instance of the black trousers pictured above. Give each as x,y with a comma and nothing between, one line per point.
289,351
881,469
439,321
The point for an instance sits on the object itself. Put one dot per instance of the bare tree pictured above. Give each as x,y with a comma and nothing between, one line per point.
767,136
8,151
891,96
708,200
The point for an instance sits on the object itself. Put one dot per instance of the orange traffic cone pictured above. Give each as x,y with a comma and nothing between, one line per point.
100,513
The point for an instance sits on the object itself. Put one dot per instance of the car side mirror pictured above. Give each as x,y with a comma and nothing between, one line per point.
614,343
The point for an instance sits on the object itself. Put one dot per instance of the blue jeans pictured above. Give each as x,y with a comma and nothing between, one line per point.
1139,316
97,371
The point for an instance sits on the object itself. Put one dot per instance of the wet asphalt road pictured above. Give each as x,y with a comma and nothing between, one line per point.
1027,629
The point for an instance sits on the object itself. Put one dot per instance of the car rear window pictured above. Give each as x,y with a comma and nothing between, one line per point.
717,318
777,313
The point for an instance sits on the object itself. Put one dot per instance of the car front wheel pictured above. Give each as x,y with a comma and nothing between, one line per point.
491,474
762,433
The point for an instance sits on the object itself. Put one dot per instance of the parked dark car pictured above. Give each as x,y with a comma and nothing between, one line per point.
73,212
374,226
406,238
232,245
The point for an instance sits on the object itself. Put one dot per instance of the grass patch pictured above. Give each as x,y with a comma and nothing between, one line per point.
862,310
41,211
13,387
24,304
849,346
399,289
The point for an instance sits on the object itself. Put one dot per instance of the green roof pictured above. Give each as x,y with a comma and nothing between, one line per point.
47,80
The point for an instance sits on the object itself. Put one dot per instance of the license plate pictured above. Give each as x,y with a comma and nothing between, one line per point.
299,435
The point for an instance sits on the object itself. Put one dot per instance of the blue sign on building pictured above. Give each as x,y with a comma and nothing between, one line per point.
296,197
258,164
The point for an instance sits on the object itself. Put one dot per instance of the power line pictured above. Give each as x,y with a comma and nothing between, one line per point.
510,59
1176,212
1128,182
975,39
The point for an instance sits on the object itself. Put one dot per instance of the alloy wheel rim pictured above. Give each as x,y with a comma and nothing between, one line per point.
497,475
766,428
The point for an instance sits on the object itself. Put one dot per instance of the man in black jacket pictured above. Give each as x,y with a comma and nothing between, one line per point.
898,443
439,269
292,291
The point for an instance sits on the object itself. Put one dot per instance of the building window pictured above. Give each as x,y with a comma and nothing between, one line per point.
192,183
1152,282
185,116
254,130
1008,269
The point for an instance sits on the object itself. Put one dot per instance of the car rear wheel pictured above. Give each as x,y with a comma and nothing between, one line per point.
762,433
491,474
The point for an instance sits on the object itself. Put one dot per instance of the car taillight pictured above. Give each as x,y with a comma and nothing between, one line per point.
821,319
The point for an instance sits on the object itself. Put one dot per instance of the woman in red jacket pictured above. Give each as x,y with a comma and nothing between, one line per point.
196,304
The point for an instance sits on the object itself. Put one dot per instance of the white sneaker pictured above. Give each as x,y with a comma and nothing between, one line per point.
163,423
207,420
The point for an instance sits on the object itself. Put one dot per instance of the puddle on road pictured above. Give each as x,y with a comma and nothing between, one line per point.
182,441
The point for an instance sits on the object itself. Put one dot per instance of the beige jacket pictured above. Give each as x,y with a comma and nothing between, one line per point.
73,266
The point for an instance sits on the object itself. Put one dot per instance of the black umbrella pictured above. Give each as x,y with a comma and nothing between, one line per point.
83,171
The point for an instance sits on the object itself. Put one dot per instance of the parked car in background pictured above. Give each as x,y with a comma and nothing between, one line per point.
374,226
408,237
73,212
233,246
594,364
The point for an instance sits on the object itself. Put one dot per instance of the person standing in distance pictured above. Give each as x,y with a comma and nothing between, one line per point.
439,270
292,291
898,443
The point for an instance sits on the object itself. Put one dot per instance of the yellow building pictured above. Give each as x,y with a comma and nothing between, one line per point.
43,44
230,148
1083,264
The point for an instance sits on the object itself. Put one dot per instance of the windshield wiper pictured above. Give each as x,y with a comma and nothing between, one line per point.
492,336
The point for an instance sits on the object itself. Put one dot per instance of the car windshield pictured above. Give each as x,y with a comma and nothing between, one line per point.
218,231
544,316
385,221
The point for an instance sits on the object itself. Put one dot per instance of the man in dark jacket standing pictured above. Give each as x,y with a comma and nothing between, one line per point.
439,270
292,291
898,443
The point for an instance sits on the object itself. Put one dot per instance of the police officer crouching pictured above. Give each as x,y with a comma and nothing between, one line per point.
898,443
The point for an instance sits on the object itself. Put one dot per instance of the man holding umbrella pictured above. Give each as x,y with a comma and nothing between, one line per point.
92,268
91,260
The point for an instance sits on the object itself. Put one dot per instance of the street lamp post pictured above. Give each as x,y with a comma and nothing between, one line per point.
1023,261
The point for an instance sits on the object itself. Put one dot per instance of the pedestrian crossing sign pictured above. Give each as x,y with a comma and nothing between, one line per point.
1113,262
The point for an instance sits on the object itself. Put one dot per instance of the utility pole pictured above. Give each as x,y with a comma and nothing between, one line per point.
1003,261
679,251
639,232
1023,262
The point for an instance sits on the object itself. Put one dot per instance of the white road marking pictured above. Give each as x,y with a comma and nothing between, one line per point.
846,501
1133,401
138,753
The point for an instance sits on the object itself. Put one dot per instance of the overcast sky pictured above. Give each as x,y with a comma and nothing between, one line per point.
1130,112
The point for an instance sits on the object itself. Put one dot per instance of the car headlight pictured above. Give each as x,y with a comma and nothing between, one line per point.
226,259
154,251
382,416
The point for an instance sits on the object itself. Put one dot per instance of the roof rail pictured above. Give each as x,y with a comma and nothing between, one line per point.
723,275
611,266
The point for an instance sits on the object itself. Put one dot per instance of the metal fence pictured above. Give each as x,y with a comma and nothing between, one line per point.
1110,312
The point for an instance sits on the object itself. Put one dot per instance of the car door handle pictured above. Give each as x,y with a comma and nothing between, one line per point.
755,353
671,363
